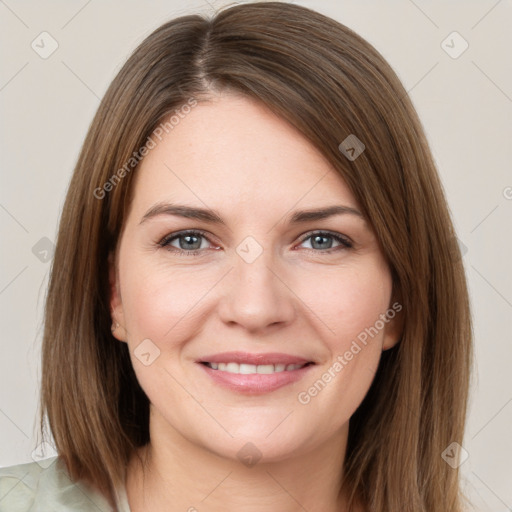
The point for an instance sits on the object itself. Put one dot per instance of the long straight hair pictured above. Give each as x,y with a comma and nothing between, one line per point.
329,84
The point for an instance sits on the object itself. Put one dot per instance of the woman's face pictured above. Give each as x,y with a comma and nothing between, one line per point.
220,262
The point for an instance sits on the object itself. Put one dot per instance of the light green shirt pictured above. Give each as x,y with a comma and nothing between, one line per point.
45,486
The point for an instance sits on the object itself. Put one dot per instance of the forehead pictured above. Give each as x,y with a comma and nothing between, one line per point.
234,150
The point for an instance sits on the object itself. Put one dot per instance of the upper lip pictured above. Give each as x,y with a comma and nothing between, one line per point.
256,359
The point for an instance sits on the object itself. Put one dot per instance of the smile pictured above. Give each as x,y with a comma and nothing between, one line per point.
248,369
254,374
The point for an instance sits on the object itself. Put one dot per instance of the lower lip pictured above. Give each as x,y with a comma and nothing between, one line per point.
255,383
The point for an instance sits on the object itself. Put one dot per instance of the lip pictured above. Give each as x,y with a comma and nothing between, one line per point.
251,358
256,383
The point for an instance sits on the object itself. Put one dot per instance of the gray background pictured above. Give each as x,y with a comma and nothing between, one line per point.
465,104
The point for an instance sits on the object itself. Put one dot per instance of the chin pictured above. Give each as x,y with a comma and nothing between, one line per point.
259,448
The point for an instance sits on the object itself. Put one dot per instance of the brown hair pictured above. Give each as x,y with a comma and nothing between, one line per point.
329,83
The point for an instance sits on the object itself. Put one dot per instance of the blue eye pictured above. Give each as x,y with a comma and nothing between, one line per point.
192,243
188,242
322,241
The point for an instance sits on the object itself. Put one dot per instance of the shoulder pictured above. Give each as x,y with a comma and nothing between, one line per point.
46,485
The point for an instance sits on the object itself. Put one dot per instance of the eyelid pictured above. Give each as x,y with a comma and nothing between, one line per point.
175,234
165,241
344,241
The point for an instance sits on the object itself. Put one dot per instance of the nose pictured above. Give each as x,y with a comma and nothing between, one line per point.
255,296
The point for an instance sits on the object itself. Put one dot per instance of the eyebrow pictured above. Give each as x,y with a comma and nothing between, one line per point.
211,216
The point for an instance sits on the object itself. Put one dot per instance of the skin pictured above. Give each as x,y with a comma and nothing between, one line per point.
234,156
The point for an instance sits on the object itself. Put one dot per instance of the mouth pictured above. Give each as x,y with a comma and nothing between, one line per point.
249,369
254,374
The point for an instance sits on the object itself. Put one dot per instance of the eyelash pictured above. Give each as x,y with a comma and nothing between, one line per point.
345,243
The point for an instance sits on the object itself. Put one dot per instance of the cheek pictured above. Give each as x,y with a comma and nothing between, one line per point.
350,307
348,300
160,304
159,301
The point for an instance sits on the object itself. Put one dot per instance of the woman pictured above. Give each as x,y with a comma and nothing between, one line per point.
256,299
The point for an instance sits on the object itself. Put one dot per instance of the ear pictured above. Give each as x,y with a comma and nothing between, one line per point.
116,303
394,327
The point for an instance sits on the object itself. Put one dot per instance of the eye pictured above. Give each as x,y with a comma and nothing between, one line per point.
193,242
185,242
322,241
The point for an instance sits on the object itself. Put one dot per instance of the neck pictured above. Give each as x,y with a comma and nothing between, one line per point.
174,474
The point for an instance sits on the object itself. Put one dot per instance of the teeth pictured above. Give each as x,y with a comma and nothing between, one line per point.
247,369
